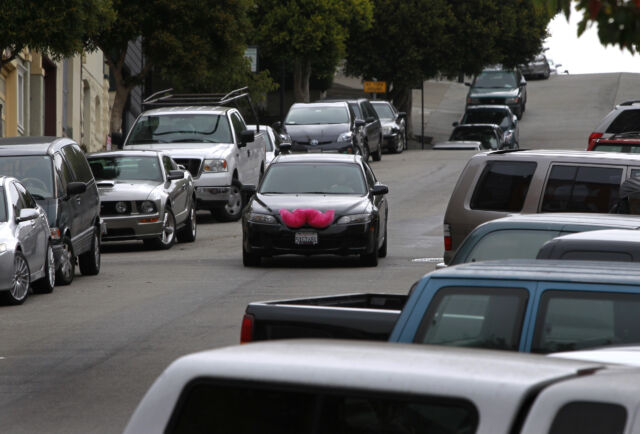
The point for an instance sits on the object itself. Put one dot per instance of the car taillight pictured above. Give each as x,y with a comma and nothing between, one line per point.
592,140
447,237
246,333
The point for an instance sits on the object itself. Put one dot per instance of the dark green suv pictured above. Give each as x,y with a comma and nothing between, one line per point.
499,86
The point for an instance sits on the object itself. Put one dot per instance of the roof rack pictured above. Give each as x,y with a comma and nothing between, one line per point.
630,102
507,151
165,98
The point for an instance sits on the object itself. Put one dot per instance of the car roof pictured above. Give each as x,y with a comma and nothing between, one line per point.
321,104
218,110
320,157
564,154
123,153
597,272
605,236
32,145
627,221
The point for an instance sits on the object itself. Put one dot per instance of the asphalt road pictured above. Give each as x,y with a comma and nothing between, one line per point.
80,359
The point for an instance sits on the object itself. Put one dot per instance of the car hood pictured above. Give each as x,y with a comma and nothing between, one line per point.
126,190
324,132
389,123
341,204
194,150
490,92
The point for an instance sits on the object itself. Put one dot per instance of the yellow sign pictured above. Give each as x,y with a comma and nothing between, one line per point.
375,86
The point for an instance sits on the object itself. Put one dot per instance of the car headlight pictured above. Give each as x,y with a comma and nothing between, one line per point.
3,247
255,217
121,207
512,100
386,130
473,100
345,137
147,207
354,218
215,165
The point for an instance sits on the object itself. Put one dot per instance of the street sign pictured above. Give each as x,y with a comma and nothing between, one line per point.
252,54
375,86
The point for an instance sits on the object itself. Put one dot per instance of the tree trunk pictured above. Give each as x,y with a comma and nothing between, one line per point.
301,77
119,101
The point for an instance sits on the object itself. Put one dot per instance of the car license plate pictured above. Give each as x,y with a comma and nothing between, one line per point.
306,238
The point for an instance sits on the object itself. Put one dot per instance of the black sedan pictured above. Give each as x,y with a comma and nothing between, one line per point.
316,204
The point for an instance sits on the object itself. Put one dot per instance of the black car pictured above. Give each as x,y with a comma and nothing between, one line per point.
500,115
316,204
489,135
394,126
56,173
499,86
372,131
322,127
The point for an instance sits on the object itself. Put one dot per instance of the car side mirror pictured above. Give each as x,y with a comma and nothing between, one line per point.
455,124
402,115
247,136
249,189
359,123
276,125
379,189
175,174
27,214
117,140
370,119
284,148
75,188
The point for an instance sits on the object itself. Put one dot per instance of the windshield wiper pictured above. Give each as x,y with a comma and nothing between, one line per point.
193,140
145,141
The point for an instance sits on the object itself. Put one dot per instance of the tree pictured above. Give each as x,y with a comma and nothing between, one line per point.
56,28
183,40
308,34
618,20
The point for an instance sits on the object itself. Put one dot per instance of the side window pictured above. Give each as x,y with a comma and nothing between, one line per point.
575,320
63,174
503,186
16,201
510,244
25,197
370,110
627,120
475,317
238,125
588,417
78,163
356,109
581,189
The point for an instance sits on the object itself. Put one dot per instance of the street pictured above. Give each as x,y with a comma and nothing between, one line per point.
80,359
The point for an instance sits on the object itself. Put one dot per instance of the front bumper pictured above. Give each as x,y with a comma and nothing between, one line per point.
391,141
138,227
211,197
277,239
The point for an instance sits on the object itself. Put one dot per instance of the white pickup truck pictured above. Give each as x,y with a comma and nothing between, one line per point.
209,139
326,387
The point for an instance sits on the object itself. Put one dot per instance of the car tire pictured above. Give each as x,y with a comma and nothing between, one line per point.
20,282
46,284
66,271
400,146
190,230
232,211
377,156
382,251
89,262
370,259
250,259
168,237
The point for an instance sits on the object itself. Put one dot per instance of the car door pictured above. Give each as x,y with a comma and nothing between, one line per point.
41,226
177,190
27,231
380,201
248,170
78,205
373,124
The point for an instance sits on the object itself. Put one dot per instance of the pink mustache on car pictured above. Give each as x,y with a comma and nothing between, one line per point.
314,218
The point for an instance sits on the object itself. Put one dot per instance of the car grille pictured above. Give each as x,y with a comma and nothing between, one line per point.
308,143
499,101
108,208
191,164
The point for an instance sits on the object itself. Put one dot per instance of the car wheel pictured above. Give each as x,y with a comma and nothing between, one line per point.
168,237
89,262
20,281
66,269
382,251
188,233
377,156
48,282
400,145
232,210
250,259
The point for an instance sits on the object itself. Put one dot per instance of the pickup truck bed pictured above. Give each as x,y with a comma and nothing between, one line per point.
349,316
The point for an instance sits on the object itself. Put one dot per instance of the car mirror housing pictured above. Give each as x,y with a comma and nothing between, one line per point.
379,189
247,136
117,140
455,124
370,119
359,123
27,214
76,188
175,174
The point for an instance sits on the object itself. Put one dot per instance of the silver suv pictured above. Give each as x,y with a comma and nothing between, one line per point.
624,118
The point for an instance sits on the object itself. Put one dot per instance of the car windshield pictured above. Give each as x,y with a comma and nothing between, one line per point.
496,79
384,111
3,206
313,115
488,116
34,171
314,178
181,128
127,168
483,135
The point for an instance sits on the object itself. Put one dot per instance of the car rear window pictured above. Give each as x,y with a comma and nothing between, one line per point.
479,317
617,147
503,186
509,244
206,406
581,189
587,417
575,320
626,121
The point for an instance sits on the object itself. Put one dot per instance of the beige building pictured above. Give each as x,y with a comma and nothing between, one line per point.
66,98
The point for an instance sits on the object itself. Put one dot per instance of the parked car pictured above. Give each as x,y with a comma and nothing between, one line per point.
26,254
144,196
323,127
372,129
624,118
316,204
458,145
520,236
539,306
499,86
500,115
325,386
602,245
490,136
209,139
272,143
539,67
495,184
56,173
394,126
622,142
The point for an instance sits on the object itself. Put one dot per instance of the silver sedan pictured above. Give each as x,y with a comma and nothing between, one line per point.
145,196
26,255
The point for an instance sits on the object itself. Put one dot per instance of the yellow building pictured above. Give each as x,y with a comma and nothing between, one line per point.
67,98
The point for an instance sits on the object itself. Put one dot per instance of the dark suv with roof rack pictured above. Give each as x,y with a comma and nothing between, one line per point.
623,119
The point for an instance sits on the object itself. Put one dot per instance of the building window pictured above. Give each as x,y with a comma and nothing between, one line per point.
21,84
